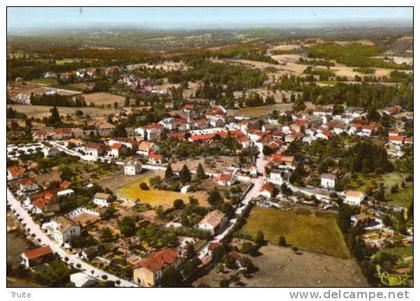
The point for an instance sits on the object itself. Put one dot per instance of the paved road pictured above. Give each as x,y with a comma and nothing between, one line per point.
47,241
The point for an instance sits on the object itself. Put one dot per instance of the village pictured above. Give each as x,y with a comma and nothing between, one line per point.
209,170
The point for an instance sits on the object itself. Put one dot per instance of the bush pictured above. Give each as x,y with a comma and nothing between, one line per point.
144,186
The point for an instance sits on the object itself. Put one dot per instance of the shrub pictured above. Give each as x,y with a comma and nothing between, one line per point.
144,186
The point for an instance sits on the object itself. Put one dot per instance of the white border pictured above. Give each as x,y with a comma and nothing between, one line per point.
45,294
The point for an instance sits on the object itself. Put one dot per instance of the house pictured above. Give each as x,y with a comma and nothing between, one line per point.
45,202
36,256
94,149
118,150
89,253
82,280
212,221
353,198
155,158
151,131
267,190
28,185
105,130
101,199
226,179
62,229
15,172
62,133
146,147
51,151
132,168
283,162
149,271
328,180
275,176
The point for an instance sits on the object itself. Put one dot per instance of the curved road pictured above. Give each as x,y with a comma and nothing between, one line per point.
47,241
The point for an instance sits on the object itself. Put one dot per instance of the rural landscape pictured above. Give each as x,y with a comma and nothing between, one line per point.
249,156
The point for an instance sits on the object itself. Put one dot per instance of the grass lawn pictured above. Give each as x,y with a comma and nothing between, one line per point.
45,81
366,182
157,197
403,198
304,230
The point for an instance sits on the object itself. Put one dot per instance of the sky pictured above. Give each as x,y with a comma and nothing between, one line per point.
19,18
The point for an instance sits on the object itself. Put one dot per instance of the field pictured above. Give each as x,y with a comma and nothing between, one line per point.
403,198
103,98
262,110
364,183
44,111
318,233
45,81
281,267
156,197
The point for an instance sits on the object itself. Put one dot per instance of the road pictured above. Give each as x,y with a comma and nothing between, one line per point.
44,239
252,193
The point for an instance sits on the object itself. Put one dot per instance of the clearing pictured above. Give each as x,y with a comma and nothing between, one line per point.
157,197
103,98
316,232
281,267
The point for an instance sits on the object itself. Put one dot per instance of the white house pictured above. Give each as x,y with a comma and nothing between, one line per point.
82,280
28,185
132,168
275,176
353,198
212,222
15,172
62,229
101,199
51,151
226,179
328,180
267,190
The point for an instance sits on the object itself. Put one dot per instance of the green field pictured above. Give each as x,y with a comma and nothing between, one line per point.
366,182
402,198
46,81
317,233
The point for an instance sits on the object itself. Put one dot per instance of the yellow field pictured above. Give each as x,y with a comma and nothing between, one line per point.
157,197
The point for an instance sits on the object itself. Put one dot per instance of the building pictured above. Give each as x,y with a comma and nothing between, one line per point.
353,198
212,221
149,271
132,168
62,229
101,199
226,179
155,158
94,149
267,190
150,131
118,149
146,147
28,185
36,256
328,180
15,172
82,280
51,151
275,176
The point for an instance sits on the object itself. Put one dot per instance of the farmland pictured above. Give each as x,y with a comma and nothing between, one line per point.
313,232
103,98
156,197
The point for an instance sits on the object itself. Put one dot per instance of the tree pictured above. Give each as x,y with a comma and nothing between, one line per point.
185,175
127,101
171,278
127,226
108,212
190,252
215,199
169,172
259,239
200,173
179,204
106,235
282,241
54,119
